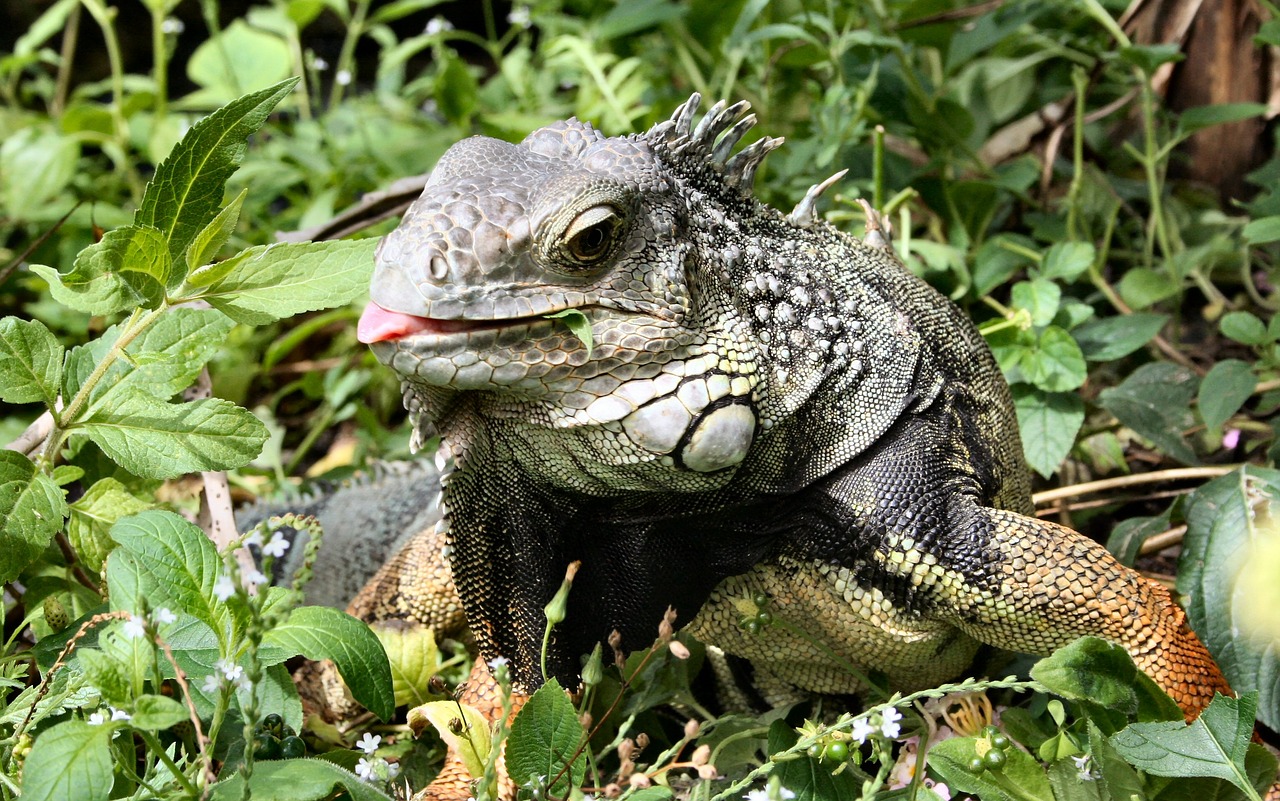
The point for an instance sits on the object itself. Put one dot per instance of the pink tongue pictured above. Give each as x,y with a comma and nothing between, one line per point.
377,324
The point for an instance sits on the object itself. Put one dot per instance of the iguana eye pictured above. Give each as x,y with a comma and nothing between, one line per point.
589,238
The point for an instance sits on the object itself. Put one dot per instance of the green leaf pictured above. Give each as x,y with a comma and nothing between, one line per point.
319,632
1244,327
37,162
456,89
994,264
1039,296
92,516
1049,422
168,560
156,712
1056,364
950,759
543,738
124,271
269,282
107,675
1069,785
185,193
414,659
153,439
1214,744
30,362
1229,528
1067,261
1100,673
578,324
1155,402
31,512
1195,119
70,762
474,741
1149,57
1115,337
1141,287
239,59
1262,230
206,244
809,779
1128,536
1224,390
297,780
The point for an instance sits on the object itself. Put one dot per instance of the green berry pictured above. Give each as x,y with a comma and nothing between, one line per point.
999,741
292,747
838,751
752,626
760,599
266,746
976,765
995,759
765,617
814,751
273,723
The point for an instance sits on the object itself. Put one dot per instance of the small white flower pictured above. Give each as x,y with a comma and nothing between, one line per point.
343,77
318,63
889,727
134,627
497,662
98,718
254,539
393,770
120,714
520,16
438,25
1082,765
277,546
212,683
164,615
223,588
369,743
255,577
230,670
862,729
173,25
364,769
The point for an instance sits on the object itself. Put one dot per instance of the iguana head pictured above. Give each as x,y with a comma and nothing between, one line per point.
629,236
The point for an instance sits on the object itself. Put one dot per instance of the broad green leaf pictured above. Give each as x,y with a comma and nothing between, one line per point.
1114,337
257,58
1224,390
1228,521
1049,422
455,89
186,191
1039,297
994,264
1259,766
1194,119
269,282
92,516
1128,535
1214,744
1117,776
543,739
1244,327
170,561
578,324
126,270
1262,230
70,762
414,659
30,362
157,712
1149,57
1100,673
810,779
950,759
107,674
1056,364
471,742
319,632
1069,782
153,439
297,780
206,244
1141,287
1155,402
37,162
31,512
1067,261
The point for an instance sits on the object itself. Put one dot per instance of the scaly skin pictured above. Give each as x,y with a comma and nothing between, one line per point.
769,406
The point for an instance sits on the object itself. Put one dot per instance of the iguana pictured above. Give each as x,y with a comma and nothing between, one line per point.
763,406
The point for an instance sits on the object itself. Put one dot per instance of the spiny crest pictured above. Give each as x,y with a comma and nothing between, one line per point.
710,142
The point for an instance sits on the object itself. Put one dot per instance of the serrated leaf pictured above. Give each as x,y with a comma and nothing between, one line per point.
1039,297
1228,519
1115,337
1224,389
543,738
269,282
107,675
1155,402
1049,423
319,632
30,362
1244,327
168,560
578,324
950,759
69,762
1214,744
297,780
206,244
1056,364
1092,670
124,271
1067,261
809,779
92,516
186,191
153,439
414,659
31,511
471,742
157,712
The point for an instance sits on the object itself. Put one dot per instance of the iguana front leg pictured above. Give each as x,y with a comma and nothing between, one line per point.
1048,585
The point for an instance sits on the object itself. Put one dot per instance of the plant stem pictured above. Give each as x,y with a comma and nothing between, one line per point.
355,29
159,64
1080,82
154,744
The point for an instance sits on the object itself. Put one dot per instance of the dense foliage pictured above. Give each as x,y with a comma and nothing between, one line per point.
1022,152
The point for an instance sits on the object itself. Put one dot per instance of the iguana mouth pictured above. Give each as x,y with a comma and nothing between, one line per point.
378,324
